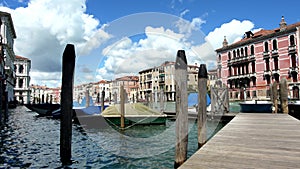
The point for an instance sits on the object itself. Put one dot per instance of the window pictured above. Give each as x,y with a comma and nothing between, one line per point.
242,52
266,47
219,57
252,49
238,53
267,65
292,40
274,44
246,51
234,54
276,63
21,68
20,83
229,55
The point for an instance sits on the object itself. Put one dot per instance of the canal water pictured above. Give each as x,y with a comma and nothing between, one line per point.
28,141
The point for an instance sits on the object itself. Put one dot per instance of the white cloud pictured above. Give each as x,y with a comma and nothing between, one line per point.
160,44
234,30
186,27
44,28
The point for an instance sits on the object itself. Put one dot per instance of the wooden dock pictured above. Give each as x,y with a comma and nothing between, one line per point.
252,140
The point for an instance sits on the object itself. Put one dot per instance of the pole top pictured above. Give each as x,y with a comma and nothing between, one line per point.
181,62
202,71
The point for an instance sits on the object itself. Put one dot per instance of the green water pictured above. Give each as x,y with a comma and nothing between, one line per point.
28,141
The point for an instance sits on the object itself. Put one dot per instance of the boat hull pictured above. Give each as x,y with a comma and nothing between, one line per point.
43,109
256,107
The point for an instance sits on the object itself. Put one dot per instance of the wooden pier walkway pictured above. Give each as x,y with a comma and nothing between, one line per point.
252,140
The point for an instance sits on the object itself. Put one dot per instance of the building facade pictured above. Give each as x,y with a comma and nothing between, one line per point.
249,66
162,78
22,87
130,84
7,36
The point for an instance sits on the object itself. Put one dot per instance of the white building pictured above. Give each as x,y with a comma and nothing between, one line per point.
7,36
22,88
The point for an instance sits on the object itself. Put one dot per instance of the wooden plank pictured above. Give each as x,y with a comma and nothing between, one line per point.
252,140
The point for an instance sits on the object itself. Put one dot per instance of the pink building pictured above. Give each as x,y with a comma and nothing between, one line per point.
249,66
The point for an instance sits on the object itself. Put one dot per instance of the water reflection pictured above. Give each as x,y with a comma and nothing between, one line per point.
30,141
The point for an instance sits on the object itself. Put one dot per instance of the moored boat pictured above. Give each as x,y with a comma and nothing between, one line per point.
256,106
44,109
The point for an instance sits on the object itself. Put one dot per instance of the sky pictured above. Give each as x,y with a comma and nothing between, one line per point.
122,37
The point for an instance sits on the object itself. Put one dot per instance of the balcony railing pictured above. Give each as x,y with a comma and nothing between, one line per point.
276,72
274,53
267,73
294,70
292,49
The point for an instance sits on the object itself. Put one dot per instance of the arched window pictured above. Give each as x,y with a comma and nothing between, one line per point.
21,68
252,49
229,55
266,47
219,57
292,40
242,51
274,44
246,51
234,54
238,53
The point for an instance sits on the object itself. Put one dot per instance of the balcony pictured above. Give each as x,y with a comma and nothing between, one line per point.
266,55
274,53
293,70
252,57
267,73
292,49
276,72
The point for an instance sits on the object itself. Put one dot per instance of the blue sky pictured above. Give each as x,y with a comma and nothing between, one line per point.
120,37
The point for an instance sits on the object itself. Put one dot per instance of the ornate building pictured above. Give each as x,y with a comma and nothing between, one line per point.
249,66
22,88
7,36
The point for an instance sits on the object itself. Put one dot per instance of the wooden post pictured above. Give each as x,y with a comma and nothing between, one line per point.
284,96
68,65
122,104
87,98
181,109
162,105
98,98
102,100
274,97
202,91
51,97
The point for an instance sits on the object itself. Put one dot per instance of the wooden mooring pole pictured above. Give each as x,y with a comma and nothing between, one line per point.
202,91
181,109
122,104
274,97
284,96
87,98
68,65
102,100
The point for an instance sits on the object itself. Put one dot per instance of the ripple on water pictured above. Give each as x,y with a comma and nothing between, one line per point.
31,141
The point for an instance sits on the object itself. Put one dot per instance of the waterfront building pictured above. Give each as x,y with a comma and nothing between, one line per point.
94,90
212,77
42,94
249,66
22,87
130,84
162,78
7,36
